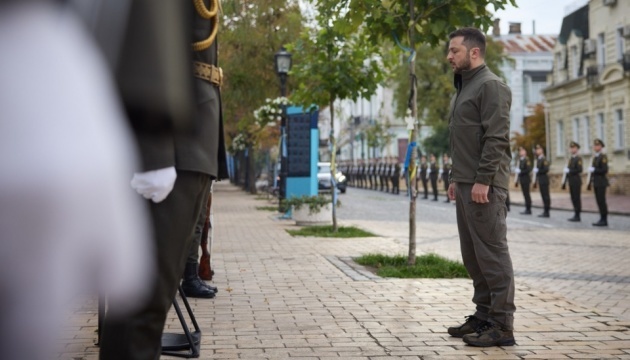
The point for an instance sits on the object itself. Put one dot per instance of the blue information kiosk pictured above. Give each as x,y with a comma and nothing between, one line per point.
302,152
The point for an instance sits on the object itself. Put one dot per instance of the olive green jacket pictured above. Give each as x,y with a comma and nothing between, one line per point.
479,124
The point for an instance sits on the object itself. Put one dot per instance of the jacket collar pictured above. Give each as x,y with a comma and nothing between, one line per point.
466,76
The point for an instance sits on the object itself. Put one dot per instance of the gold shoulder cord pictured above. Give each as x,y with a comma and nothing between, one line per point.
209,14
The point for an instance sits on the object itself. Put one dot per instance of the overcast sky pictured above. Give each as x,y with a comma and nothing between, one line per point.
548,15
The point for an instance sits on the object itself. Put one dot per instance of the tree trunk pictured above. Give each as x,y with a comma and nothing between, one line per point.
411,260
333,150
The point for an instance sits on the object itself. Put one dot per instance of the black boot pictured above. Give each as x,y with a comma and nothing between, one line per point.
527,212
603,221
193,286
544,214
575,218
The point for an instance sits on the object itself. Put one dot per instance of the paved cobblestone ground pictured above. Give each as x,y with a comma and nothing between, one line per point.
283,297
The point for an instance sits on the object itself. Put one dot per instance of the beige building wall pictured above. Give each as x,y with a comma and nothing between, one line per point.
589,93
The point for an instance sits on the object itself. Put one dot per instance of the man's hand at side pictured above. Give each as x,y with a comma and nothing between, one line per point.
479,193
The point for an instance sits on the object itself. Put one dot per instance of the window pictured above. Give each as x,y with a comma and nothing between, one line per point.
586,134
601,50
620,44
560,138
600,127
575,62
619,130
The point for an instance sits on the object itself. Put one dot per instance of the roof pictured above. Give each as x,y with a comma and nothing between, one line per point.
577,22
520,43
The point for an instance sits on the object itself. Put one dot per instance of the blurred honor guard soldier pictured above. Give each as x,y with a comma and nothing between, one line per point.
523,170
157,88
599,169
574,177
479,125
208,81
433,175
541,170
446,171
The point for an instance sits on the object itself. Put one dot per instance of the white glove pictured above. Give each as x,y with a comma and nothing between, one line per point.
428,171
156,184
591,169
535,170
566,170
517,170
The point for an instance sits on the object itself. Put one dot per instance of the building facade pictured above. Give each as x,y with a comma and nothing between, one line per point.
526,74
588,95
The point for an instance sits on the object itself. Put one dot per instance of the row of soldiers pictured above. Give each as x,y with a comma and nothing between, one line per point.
596,179
375,174
379,174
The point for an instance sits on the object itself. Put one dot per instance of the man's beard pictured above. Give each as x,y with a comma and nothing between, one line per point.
465,65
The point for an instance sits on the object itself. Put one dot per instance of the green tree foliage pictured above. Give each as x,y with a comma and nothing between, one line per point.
533,130
330,65
251,32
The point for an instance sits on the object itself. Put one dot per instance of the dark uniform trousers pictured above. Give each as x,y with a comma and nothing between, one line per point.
434,178
524,179
135,337
600,183
543,183
574,178
425,182
483,241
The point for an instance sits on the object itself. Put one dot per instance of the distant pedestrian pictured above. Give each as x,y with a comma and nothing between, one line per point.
480,149
423,176
542,179
573,172
523,170
598,171
433,176
445,173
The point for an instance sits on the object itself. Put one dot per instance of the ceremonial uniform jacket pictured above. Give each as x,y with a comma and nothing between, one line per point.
543,169
575,171
526,167
600,163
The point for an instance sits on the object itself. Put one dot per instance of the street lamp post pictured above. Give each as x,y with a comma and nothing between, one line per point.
282,61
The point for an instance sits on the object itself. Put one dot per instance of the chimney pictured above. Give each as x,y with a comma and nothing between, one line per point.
496,30
515,28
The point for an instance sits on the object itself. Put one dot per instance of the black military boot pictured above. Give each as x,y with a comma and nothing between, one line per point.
193,286
603,221
470,326
576,217
527,212
545,214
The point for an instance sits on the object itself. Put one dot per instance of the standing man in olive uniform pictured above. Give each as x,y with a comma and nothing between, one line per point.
433,175
446,171
598,171
541,170
523,170
574,178
479,124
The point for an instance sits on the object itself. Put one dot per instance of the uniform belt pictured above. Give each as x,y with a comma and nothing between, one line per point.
210,73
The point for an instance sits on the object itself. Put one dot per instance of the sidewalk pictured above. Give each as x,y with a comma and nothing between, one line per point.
283,298
561,200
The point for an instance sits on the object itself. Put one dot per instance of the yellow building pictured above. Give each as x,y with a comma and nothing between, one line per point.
588,95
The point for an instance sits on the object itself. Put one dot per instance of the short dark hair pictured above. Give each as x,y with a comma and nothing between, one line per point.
473,38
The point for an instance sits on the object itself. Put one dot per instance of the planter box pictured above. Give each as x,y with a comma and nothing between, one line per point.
302,216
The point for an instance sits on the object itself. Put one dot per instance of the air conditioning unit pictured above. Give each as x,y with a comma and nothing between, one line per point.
590,46
610,2
626,31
